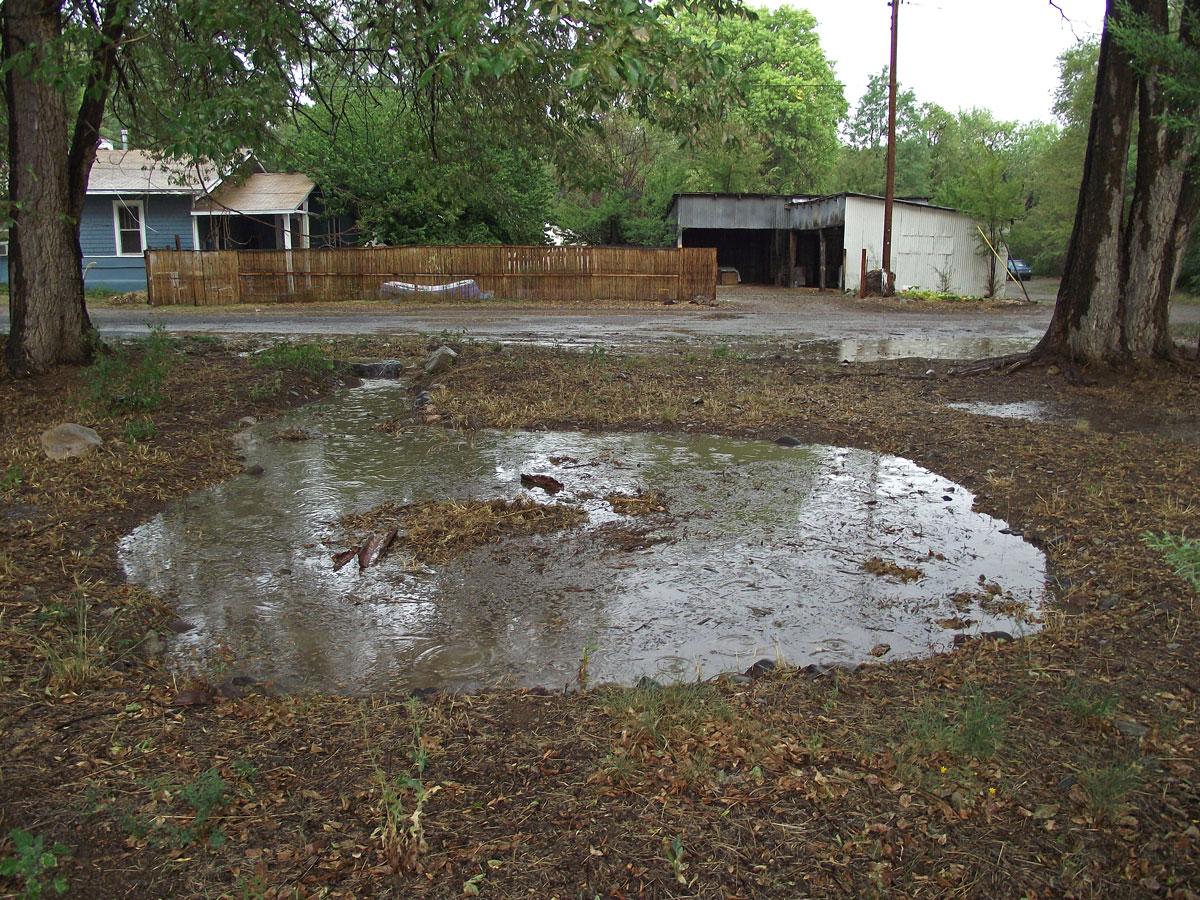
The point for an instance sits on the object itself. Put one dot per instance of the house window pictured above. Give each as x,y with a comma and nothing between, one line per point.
129,220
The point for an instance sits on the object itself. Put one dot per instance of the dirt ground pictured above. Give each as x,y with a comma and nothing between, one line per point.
1059,765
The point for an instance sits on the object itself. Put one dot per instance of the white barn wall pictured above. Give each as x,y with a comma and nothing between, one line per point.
925,239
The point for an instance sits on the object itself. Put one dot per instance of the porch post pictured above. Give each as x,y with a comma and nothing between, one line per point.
821,268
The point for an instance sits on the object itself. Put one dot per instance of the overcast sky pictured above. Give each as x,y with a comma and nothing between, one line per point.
998,54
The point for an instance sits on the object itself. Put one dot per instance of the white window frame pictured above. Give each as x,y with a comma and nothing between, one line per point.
118,205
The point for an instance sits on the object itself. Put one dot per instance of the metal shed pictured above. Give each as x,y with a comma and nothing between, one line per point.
807,241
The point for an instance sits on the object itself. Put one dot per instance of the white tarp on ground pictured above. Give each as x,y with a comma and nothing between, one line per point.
466,289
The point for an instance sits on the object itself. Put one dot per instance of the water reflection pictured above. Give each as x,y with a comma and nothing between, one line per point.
762,555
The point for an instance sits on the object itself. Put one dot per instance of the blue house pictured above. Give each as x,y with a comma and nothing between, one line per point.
135,202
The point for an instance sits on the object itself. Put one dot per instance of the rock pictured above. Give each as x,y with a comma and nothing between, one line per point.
1112,601
255,470
68,439
424,693
440,360
737,678
760,668
384,368
1067,782
179,626
423,400
151,646
1053,370
192,697
881,650
1131,729
786,440
1001,636
247,421
238,686
646,683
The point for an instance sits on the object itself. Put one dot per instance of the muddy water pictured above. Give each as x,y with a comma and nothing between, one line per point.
761,554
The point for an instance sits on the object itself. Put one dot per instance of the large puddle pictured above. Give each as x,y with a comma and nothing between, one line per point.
807,554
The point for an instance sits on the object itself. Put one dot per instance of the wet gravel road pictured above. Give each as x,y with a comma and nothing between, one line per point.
849,328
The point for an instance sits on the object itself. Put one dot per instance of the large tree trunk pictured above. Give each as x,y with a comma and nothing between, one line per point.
1161,212
1088,315
49,322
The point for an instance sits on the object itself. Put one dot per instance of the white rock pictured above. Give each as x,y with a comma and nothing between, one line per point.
69,439
440,360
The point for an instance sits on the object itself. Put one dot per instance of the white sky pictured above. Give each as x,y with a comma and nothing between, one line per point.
997,54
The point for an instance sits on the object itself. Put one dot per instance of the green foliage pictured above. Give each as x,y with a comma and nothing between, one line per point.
304,359
32,863
938,296
1182,554
117,383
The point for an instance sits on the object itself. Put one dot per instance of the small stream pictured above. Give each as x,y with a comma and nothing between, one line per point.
762,553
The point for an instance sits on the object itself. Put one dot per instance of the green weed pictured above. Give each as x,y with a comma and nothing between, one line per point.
116,384
1181,553
675,854
267,388
32,863
305,359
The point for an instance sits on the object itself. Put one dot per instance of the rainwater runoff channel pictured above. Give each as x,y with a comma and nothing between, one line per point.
805,554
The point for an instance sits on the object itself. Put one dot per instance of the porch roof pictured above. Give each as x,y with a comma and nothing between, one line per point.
259,194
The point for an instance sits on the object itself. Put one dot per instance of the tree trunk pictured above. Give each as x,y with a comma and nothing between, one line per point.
1162,210
49,322
1088,314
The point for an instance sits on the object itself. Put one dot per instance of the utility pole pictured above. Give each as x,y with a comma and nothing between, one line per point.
888,287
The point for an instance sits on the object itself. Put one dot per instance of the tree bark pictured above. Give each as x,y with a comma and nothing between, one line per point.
49,321
1162,209
1087,324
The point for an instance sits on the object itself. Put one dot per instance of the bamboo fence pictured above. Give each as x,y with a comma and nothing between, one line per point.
554,274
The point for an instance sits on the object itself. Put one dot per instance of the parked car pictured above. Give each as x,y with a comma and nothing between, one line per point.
1018,268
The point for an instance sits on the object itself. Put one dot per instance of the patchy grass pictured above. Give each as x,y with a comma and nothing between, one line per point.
130,378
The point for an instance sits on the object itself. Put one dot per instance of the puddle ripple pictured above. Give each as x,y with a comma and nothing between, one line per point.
762,555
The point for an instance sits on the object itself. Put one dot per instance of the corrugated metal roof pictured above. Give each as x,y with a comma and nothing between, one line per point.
137,172
261,193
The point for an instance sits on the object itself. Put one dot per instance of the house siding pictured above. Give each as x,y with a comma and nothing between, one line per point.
167,215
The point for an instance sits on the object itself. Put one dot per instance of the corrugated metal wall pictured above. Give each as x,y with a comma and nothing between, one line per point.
926,242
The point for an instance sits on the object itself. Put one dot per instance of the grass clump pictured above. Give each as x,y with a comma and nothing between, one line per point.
119,383
436,531
1089,704
304,359
972,728
1181,553
1107,787
658,710
138,430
